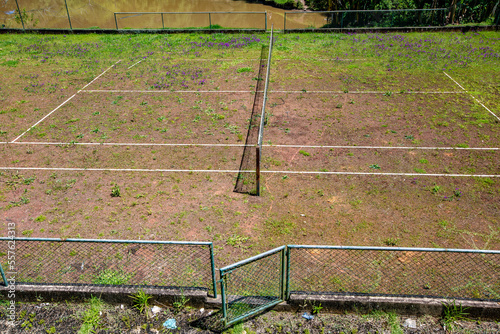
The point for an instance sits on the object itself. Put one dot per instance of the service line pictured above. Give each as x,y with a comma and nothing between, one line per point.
50,113
166,91
270,91
459,85
444,148
128,144
235,171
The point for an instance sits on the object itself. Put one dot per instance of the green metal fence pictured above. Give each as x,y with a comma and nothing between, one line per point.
125,263
192,20
368,18
394,271
252,285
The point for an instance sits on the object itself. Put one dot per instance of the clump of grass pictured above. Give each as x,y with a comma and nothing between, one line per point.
111,277
304,153
91,318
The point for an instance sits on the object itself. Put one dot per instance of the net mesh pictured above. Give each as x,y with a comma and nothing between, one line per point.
246,180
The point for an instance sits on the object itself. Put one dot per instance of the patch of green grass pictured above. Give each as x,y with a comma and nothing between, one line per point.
91,318
244,69
111,277
304,153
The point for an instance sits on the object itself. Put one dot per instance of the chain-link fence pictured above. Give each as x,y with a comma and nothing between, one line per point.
126,263
252,285
369,18
191,20
448,273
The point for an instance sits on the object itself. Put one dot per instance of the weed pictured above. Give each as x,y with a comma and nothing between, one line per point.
316,308
391,241
409,137
91,318
111,277
236,240
115,191
304,153
453,312
180,302
141,301
374,166
244,69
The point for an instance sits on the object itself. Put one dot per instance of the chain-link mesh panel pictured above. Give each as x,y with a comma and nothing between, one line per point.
370,18
253,287
246,180
161,265
401,273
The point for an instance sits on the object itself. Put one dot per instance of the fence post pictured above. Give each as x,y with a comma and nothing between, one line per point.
283,274
284,24
287,279
223,297
265,27
162,22
20,15
210,20
212,263
67,11
3,276
116,22
257,170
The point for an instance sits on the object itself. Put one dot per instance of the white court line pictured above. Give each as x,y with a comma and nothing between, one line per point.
388,147
64,102
375,173
129,144
270,91
361,92
237,171
166,91
135,64
471,95
444,148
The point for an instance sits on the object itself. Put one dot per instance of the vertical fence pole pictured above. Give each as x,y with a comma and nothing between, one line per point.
284,24
283,274
67,11
210,20
20,15
3,276
265,15
223,296
212,263
257,170
287,279
162,22
116,22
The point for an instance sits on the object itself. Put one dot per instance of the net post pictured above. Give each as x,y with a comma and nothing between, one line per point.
257,170
20,15
116,22
265,15
210,20
5,283
284,24
67,11
287,278
162,22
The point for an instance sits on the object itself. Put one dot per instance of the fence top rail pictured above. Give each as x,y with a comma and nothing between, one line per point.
118,241
251,259
190,12
395,249
367,10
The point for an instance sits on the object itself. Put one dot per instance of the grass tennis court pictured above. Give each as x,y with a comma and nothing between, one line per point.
369,139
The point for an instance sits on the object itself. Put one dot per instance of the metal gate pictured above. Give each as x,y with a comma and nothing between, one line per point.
253,285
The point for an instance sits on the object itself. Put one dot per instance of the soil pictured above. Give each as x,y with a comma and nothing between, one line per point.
67,318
